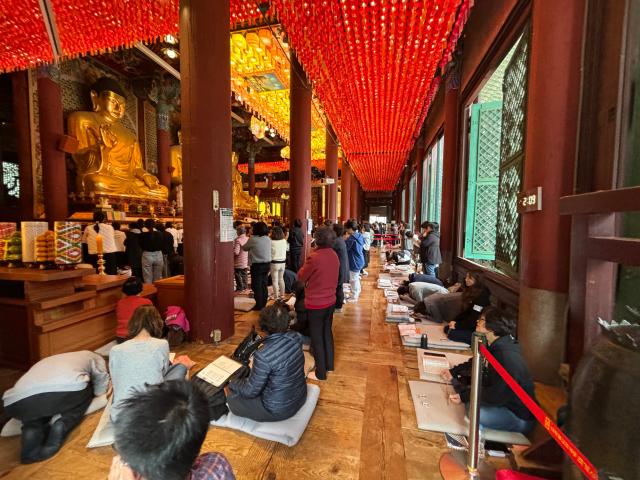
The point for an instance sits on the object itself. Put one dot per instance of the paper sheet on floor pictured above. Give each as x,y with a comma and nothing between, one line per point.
435,413
430,372
436,338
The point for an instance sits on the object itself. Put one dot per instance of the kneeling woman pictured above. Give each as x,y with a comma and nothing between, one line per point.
276,388
500,408
143,359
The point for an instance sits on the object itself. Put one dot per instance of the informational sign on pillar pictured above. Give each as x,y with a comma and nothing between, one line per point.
226,225
530,200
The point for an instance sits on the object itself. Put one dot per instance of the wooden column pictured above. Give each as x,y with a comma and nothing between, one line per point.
355,213
300,127
552,120
54,167
22,122
407,174
252,174
345,191
331,169
164,155
418,159
206,148
449,169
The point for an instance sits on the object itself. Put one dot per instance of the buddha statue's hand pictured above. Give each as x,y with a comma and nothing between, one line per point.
149,180
107,137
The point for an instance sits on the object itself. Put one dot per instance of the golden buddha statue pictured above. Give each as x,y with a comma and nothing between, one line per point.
176,161
241,199
108,158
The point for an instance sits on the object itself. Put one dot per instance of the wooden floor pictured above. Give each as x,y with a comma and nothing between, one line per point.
364,425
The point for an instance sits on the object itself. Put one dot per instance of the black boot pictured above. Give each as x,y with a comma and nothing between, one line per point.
56,437
32,440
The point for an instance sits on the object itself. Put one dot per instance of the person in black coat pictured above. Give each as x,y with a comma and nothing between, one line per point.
340,247
430,255
134,250
296,244
421,277
500,408
167,248
475,297
276,388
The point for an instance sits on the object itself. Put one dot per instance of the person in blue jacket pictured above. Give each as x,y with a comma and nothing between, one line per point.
276,388
355,252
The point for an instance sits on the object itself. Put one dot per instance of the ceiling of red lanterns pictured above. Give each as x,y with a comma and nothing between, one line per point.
281,166
372,64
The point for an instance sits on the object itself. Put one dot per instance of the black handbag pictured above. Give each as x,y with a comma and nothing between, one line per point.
247,347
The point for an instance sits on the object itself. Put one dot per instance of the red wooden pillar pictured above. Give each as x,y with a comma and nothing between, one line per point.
407,177
164,151
252,174
419,155
345,191
331,169
449,168
21,119
206,129
300,127
353,209
552,120
54,167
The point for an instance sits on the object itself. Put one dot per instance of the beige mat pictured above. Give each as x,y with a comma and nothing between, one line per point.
436,413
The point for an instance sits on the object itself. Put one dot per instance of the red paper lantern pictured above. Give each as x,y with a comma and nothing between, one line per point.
373,64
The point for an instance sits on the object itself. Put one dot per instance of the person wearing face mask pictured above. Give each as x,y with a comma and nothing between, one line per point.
500,408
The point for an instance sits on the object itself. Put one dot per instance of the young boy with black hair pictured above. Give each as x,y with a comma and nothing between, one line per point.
158,435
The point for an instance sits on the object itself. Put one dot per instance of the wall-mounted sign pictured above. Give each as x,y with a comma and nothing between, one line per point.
329,180
530,200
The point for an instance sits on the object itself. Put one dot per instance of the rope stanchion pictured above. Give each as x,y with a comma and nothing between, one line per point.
576,456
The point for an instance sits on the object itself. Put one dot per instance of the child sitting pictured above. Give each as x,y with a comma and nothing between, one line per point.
127,305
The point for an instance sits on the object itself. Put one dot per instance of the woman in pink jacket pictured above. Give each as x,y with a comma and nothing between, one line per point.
240,259
320,276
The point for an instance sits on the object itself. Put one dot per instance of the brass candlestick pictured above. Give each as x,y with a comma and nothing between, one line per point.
101,264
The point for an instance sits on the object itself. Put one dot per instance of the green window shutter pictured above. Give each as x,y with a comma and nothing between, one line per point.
514,92
482,187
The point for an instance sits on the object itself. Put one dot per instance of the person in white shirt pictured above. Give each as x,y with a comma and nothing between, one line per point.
174,232
108,243
278,261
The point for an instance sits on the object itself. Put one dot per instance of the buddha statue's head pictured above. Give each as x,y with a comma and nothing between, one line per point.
108,99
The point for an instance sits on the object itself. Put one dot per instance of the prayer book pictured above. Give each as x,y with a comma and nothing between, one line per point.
219,371
434,363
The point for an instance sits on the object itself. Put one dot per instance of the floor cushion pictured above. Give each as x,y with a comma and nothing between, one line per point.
287,432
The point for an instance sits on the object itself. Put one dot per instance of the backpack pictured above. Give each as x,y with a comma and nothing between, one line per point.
177,325
247,347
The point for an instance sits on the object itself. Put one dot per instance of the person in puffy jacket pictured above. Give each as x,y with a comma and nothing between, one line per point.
340,247
276,388
500,408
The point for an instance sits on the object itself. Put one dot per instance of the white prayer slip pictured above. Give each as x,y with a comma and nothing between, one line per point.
219,371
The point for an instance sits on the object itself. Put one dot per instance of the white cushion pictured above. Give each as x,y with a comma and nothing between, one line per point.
104,433
287,432
244,304
14,427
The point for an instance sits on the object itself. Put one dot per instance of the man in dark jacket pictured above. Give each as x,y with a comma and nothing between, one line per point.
340,247
430,256
276,388
296,244
133,249
167,248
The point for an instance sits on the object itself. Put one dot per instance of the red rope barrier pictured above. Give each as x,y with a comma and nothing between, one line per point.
558,435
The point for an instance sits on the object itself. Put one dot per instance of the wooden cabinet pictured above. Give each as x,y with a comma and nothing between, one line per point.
45,312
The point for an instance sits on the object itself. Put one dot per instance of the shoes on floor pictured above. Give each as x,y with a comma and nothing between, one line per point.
351,300
337,310
365,273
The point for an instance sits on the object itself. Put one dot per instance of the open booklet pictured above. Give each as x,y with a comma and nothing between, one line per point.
219,371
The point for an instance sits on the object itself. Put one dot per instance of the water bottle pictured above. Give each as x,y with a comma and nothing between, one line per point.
424,341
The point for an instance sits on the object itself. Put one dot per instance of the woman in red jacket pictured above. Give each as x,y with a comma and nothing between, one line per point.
320,276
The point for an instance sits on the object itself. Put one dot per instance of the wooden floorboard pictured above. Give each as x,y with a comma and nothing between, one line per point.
364,425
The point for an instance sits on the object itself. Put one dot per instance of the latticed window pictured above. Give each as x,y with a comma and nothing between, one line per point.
432,182
11,179
496,157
